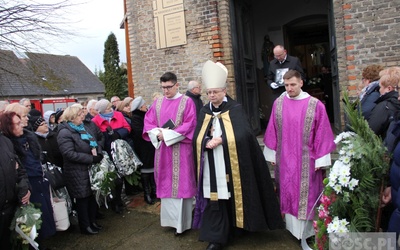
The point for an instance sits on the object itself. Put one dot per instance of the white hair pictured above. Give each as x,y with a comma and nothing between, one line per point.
23,100
91,104
192,84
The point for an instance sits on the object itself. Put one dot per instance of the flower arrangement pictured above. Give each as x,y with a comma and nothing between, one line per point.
351,196
102,176
26,222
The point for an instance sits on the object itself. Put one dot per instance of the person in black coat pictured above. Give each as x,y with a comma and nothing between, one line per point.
387,104
125,108
369,92
14,183
80,149
194,92
278,67
47,139
144,149
27,148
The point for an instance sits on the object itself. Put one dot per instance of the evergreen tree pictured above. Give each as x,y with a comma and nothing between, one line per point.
113,77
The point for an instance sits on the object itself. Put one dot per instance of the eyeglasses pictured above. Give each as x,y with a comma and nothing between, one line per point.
279,56
214,92
167,87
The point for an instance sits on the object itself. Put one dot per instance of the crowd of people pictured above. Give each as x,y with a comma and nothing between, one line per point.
202,162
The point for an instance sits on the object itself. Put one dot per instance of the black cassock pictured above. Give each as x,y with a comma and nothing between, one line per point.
253,204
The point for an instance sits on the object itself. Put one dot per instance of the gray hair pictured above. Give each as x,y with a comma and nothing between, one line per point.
3,105
192,84
91,104
24,100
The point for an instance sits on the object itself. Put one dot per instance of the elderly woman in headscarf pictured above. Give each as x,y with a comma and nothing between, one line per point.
29,151
113,126
80,150
144,149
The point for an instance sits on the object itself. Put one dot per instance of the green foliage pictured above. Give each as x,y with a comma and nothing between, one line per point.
30,213
113,77
25,217
370,170
133,179
351,197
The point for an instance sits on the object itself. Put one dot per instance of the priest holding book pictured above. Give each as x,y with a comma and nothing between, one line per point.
169,125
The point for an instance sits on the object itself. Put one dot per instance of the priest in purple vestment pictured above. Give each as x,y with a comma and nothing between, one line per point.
169,124
298,141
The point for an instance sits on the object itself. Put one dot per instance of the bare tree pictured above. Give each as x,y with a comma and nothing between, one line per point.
30,26
27,25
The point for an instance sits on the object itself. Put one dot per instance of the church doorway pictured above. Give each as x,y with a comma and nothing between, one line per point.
305,32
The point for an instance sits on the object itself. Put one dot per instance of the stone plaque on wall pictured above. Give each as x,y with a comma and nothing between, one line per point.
169,21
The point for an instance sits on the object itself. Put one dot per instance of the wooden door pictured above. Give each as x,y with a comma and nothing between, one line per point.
244,60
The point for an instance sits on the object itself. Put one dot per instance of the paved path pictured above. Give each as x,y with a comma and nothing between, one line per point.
139,228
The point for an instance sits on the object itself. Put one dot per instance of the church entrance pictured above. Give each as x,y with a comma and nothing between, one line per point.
304,31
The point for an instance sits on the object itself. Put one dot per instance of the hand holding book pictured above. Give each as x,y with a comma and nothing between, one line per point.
170,124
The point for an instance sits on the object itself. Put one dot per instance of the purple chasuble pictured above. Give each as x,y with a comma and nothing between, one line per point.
295,123
174,170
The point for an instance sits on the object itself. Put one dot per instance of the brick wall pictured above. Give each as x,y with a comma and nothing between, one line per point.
208,37
367,32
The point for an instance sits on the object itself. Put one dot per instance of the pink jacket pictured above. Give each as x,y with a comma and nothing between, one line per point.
116,122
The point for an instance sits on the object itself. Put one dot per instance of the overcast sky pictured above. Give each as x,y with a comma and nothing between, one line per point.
95,19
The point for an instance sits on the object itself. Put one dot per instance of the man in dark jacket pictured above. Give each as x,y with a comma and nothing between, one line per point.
14,189
278,67
194,92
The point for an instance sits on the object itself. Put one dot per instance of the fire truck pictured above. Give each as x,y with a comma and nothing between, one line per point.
46,104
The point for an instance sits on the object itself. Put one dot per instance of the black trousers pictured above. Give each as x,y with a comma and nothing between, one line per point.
86,209
6,216
216,226
117,192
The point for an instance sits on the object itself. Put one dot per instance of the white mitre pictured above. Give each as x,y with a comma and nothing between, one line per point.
214,75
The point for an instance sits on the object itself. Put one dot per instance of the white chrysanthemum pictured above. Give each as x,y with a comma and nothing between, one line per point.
351,151
337,188
338,138
344,170
346,159
353,183
332,180
338,226
344,180
343,223
333,226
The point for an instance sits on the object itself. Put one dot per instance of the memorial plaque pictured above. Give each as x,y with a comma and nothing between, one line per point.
169,22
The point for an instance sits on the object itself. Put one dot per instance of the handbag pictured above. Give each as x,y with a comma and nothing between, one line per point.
60,213
54,175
